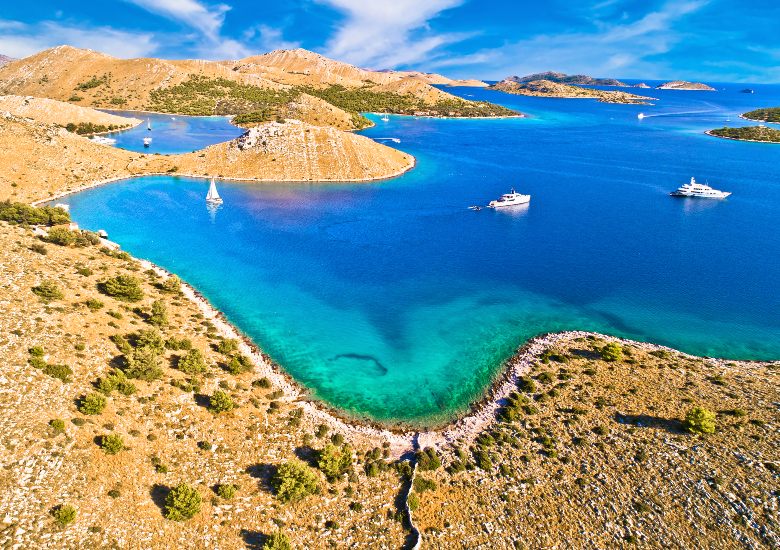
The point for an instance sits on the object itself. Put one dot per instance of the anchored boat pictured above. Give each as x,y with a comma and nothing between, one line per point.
699,191
147,141
510,199
212,197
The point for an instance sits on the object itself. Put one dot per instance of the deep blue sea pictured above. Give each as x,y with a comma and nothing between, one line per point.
393,300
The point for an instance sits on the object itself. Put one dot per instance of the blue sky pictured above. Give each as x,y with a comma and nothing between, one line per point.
715,40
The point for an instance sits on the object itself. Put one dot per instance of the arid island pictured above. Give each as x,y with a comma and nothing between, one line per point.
137,417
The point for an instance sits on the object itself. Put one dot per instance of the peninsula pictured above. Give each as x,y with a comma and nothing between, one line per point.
683,85
563,78
547,88
748,133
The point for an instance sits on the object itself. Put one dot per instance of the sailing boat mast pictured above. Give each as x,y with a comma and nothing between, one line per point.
212,197
149,124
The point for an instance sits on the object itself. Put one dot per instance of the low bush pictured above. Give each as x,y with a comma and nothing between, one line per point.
612,352
93,304
182,503
112,443
293,480
220,401
239,364
192,362
178,344
334,461
413,502
421,485
700,420
57,425
428,460
227,346
226,490
48,291
143,364
159,314
24,214
92,403
277,541
172,285
122,287
64,514
61,372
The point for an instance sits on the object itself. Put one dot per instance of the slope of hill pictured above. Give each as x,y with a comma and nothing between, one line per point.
545,88
684,85
563,78
4,60
64,114
296,151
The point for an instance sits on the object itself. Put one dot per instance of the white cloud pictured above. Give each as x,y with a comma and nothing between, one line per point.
385,34
268,38
192,13
20,39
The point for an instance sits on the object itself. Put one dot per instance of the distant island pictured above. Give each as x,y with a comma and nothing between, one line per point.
770,114
684,85
547,88
562,78
748,133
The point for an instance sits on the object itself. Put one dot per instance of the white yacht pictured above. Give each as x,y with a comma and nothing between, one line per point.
385,118
212,197
510,199
147,141
699,190
102,140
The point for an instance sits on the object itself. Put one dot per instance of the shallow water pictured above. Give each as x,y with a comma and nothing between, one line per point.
395,301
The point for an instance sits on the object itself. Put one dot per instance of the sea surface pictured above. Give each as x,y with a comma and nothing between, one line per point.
394,301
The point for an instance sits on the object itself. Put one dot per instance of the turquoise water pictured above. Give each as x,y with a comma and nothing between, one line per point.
395,301
173,134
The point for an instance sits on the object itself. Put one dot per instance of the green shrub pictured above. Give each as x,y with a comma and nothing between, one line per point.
700,420
171,285
239,364
192,362
39,249
482,459
112,443
36,351
143,364
64,514
92,403
177,344
277,541
115,380
612,352
227,346
24,214
262,383
159,314
62,372
293,481
334,461
526,384
413,501
220,401
122,287
93,304
61,236
421,485
182,503
428,460
150,339
58,425
48,291
226,490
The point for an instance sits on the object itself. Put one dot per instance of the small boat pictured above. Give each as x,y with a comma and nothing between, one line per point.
212,197
748,91
147,141
475,208
640,116
385,118
510,199
102,140
699,191
149,124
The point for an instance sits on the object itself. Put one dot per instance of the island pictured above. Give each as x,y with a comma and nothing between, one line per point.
769,114
547,88
684,85
747,133
563,78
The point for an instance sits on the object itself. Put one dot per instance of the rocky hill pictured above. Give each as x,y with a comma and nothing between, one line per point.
62,114
4,60
563,78
546,88
296,151
684,85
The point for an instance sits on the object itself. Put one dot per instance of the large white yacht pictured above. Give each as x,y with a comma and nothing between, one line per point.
699,190
510,199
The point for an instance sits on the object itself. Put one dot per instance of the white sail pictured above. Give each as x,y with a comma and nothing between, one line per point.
213,195
148,124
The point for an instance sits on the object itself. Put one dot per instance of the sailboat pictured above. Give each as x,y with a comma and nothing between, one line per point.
385,118
149,124
212,197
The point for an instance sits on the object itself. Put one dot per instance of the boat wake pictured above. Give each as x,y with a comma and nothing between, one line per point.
642,116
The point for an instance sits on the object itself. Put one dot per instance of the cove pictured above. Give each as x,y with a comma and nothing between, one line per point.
394,301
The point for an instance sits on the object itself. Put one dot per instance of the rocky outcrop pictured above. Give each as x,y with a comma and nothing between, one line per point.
546,88
296,151
60,113
684,85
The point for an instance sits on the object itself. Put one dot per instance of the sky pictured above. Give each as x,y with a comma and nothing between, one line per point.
710,40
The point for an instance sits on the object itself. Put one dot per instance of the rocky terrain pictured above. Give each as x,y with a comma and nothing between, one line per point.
563,78
546,88
4,60
296,151
683,85
61,113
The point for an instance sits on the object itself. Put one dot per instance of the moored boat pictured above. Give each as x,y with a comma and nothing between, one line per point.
147,141
212,197
699,191
512,198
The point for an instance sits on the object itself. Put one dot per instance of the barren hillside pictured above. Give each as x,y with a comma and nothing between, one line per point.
61,113
296,151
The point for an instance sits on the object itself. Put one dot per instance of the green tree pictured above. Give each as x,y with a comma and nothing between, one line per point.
159,314
143,364
192,362
700,420
122,287
171,285
112,443
182,503
220,401
277,541
293,481
335,461
92,403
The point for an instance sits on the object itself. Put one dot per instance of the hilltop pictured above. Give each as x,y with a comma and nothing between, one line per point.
546,88
82,120
264,86
684,85
563,78
4,59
